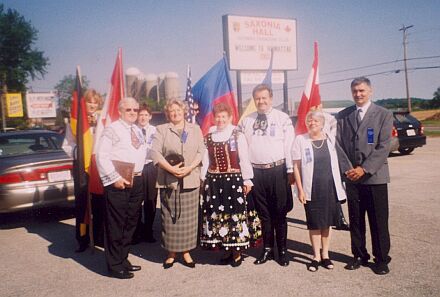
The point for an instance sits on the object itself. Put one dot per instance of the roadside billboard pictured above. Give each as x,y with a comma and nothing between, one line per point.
14,105
248,42
41,105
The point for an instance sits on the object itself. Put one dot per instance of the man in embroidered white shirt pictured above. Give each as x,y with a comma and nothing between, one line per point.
269,133
121,141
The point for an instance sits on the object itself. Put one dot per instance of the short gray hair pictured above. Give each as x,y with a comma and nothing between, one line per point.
316,114
126,100
360,80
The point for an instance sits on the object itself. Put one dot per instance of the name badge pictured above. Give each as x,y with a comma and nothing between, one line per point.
150,139
233,144
370,135
308,155
272,129
184,136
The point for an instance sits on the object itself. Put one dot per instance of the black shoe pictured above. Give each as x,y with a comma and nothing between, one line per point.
82,248
121,274
189,264
356,263
344,226
236,263
167,265
265,256
381,268
134,268
282,258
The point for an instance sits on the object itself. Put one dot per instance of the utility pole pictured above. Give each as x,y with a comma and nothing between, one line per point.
403,29
4,91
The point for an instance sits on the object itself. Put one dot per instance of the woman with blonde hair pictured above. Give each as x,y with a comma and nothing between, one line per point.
177,149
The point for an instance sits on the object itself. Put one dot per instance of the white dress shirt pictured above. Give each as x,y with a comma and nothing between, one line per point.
224,135
275,144
363,109
115,144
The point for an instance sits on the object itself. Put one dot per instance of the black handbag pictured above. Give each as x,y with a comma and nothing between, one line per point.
175,159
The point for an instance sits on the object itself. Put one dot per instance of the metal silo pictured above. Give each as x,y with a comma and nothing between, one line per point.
131,75
172,89
151,86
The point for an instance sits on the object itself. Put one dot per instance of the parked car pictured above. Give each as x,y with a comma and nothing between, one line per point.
34,170
407,133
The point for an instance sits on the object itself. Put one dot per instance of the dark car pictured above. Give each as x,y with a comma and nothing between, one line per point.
407,133
34,170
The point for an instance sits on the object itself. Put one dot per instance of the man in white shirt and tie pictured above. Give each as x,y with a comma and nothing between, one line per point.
269,133
121,141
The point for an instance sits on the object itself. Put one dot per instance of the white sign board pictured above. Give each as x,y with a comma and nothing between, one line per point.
248,42
255,77
41,105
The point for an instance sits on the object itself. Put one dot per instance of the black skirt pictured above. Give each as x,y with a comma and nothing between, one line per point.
322,211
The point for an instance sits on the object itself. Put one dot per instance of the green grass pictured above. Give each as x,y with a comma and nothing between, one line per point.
431,122
432,133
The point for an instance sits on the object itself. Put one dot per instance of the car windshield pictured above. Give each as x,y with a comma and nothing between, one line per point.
405,118
25,144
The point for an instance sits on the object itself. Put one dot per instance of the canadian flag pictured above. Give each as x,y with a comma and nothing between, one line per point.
108,115
310,99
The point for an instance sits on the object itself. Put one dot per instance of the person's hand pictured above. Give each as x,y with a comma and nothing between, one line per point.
247,189
121,183
355,174
302,197
183,171
175,169
291,178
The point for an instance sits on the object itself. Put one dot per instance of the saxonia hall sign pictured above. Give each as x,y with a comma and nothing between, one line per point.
248,42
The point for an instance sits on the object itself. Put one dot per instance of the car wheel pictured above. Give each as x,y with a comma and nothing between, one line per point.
405,151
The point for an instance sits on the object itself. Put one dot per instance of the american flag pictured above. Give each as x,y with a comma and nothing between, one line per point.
189,99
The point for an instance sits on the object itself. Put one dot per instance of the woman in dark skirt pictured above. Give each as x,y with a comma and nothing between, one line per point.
227,223
319,185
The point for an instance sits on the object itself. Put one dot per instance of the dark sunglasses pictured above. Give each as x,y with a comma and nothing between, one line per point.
132,109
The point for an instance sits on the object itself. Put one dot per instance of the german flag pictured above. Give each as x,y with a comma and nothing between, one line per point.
84,145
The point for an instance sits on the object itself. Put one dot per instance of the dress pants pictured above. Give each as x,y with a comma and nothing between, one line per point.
149,174
272,195
372,200
121,216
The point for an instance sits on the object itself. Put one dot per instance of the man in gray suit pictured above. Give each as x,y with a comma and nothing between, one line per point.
364,135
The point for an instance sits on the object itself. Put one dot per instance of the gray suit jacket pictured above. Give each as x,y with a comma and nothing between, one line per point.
354,148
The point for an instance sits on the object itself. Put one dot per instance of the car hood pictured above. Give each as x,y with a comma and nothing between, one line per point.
8,162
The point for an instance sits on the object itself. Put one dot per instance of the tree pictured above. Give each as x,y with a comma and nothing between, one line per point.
18,59
435,102
65,88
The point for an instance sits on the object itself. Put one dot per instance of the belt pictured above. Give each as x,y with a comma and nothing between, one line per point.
269,165
137,173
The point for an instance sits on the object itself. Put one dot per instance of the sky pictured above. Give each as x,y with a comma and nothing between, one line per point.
158,36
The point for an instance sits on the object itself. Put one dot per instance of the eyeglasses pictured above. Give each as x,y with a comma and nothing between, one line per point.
132,109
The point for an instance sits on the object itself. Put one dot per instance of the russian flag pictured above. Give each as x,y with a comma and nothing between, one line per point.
214,87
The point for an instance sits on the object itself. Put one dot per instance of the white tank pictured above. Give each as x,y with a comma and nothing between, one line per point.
131,75
139,86
151,86
172,86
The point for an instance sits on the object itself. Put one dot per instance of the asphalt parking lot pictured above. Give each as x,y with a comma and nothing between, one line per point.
37,253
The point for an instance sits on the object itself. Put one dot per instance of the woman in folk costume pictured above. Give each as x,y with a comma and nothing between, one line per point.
229,221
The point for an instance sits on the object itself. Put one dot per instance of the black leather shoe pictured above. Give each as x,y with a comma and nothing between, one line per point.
189,264
381,268
356,263
134,268
121,274
236,263
282,258
265,256
167,265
